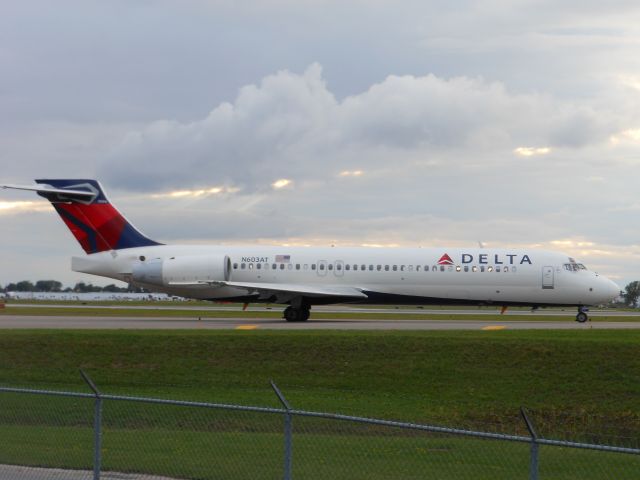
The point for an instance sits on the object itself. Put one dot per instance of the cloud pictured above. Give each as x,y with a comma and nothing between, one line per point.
292,126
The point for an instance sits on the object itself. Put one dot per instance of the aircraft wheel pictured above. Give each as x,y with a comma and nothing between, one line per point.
296,314
292,314
582,317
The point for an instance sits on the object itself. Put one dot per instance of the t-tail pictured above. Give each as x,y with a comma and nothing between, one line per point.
94,221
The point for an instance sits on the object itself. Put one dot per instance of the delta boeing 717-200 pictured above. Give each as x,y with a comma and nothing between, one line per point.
301,277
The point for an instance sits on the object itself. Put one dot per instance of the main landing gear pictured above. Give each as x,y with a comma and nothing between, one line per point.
582,314
300,314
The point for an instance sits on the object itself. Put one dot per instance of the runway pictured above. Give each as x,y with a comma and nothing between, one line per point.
190,323
320,309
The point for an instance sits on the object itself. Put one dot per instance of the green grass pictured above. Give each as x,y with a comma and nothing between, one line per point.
448,377
233,454
100,311
580,385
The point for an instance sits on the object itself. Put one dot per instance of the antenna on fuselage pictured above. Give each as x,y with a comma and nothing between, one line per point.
480,244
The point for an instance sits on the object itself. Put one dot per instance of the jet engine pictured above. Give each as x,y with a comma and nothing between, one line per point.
182,270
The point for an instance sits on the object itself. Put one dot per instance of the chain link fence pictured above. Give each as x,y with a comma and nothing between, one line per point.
72,436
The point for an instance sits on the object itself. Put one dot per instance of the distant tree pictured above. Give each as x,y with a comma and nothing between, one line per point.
24,286
113,288
82,287
11,287
48,286
632,293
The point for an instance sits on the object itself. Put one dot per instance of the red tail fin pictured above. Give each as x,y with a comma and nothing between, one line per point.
97,225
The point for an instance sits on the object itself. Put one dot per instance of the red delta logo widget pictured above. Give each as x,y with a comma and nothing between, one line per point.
445,260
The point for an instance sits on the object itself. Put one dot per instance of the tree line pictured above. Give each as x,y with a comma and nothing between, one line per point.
55,286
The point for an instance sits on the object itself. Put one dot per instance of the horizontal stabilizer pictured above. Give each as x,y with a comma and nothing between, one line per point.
51,193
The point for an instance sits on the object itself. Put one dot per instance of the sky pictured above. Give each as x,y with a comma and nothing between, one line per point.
379,123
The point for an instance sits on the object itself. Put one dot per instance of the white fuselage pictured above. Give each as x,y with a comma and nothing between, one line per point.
389,275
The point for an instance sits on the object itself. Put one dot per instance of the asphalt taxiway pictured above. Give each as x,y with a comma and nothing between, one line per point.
191,323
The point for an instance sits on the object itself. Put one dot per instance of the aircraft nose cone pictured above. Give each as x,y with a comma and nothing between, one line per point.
613,289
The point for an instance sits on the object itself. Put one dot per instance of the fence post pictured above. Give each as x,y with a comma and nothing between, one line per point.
533,465
288,433
97,427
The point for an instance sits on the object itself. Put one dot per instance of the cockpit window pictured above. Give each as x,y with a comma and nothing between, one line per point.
574,267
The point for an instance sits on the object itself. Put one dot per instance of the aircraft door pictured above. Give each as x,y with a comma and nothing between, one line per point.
338,269
547,277
322,268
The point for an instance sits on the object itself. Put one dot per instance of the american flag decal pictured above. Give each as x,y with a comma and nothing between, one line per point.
283,258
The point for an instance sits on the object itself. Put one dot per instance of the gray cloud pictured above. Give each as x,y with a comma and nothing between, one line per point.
292,126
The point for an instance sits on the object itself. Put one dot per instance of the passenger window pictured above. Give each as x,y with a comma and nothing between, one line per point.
474,269
513,269
274,266
355,267
235,266
339,266
466,268
417,268
482,268
402,268
490,268
411,268
347,267
322,266
497,269
251,266
306,267
386,268
243,266
371,268
379,267
258,266
282,266
313,266
434,269
442,268
297,266
458,268
426,268
506,269
395,268
330,266
363,267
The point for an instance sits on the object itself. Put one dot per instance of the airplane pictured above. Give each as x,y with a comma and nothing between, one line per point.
301,277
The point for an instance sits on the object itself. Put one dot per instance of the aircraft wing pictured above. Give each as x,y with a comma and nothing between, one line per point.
282,291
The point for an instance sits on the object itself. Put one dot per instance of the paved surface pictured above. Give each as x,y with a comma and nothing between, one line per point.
11,472
42,322
319,309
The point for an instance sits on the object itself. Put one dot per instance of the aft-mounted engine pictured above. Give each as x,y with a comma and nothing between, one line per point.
177,270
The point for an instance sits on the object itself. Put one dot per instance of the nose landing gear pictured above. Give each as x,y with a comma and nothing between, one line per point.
582,316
